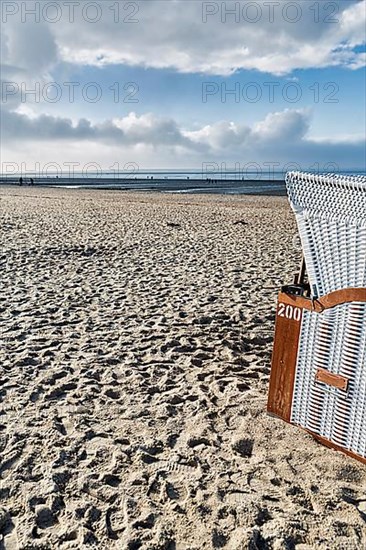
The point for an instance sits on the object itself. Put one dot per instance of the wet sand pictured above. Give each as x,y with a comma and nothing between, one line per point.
137,333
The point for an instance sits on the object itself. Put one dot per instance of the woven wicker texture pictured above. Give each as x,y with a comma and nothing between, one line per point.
331,215
336,341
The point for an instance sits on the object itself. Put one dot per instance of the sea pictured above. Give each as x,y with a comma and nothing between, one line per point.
228,182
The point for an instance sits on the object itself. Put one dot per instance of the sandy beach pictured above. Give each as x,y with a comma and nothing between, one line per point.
137,335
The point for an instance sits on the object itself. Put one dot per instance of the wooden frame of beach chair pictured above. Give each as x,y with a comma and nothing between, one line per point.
318,374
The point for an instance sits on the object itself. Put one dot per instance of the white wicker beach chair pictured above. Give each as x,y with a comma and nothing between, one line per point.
323,375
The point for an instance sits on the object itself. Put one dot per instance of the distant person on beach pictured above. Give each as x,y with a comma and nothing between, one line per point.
20,181
31,181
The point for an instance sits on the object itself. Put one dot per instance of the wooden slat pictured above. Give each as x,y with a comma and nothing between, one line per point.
328,301
284,359
331,379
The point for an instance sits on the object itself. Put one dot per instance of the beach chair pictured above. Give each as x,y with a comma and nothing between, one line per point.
318,373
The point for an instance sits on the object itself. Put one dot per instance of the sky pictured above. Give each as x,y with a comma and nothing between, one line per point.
182,83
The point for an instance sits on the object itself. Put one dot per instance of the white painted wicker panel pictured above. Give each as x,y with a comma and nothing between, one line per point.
331,215
334,340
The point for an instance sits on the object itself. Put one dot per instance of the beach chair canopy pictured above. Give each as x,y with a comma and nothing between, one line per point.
331,215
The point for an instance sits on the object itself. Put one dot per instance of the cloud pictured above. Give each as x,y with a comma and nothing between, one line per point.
149,129
196,36
222,135
130,130
28,54
202,37
31,47
280,137
288,126
152,130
